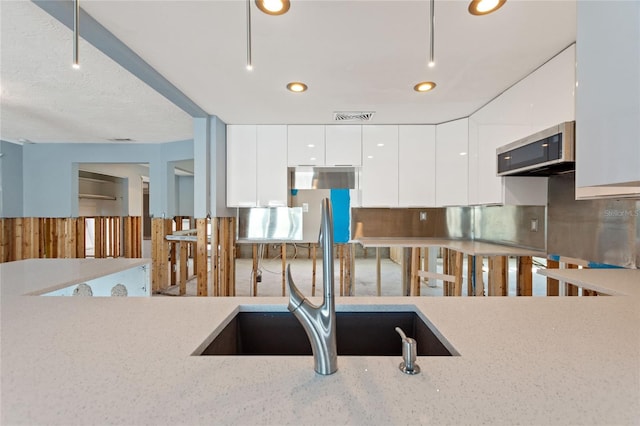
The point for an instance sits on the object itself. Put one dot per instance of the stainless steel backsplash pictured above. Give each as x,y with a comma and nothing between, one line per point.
602,231
450,222
503,224
522,226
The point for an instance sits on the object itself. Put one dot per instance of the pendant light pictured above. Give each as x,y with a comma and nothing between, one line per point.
76,33
432,60
249,62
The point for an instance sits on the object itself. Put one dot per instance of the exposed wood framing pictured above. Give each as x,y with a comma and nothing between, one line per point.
283,250
378,273
457,272
553,285
498,282
479,276
201,254
415,269
223,254
254,275
159,254
525,280
341,268
215,257
184,266
572,290
446,270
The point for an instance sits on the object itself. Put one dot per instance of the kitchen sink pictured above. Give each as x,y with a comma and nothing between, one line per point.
358,334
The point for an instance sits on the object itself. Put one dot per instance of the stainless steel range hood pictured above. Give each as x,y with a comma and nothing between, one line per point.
323,177
545,153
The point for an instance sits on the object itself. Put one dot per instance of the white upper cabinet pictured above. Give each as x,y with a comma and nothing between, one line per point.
452,168
417,166
343,145
256,165
379,182
608,98
272,165
305,145
241,166
543,99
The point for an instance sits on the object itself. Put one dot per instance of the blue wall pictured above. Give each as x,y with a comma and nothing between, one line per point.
11,201
50,175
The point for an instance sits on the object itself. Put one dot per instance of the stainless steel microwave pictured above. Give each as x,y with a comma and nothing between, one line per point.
550,151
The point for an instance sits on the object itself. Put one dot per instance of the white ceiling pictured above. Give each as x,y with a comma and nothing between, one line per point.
354,55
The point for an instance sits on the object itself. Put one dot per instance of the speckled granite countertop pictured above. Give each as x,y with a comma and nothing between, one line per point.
561,360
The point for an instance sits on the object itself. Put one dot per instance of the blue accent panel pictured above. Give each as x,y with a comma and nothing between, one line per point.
103,40
341,203
594,265
294,192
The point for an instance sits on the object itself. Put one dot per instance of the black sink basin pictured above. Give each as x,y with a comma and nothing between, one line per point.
358,334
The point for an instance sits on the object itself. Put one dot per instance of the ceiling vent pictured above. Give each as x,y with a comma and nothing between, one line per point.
120,140
353,115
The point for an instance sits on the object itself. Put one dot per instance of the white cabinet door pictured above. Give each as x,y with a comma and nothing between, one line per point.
607,97
271,165
343,145
452,168
241,166
379,166
417,166
305,145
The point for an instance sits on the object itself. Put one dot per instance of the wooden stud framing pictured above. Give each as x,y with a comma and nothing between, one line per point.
231,244
446,288
553,285
525,280
215,259
479,276
81,251
159,254
415,268
378,273
457,286
341,263
254,275
201,254
572,290
184,250
283,250
498,283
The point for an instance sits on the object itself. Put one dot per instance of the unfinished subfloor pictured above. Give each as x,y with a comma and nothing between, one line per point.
365,278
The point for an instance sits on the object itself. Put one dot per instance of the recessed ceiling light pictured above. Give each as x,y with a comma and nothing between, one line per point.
483,7
425,86
296,86
273,7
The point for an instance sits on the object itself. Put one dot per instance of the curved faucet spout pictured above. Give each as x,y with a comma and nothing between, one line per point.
319,322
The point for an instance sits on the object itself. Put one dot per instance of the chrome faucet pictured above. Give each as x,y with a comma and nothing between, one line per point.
319,322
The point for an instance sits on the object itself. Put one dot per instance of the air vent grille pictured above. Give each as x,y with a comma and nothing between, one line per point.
353,115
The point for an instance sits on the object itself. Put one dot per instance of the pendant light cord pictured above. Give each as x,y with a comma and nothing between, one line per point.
76,33
249,63
432,60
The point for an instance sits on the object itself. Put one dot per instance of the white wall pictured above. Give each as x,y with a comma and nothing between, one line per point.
541,100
